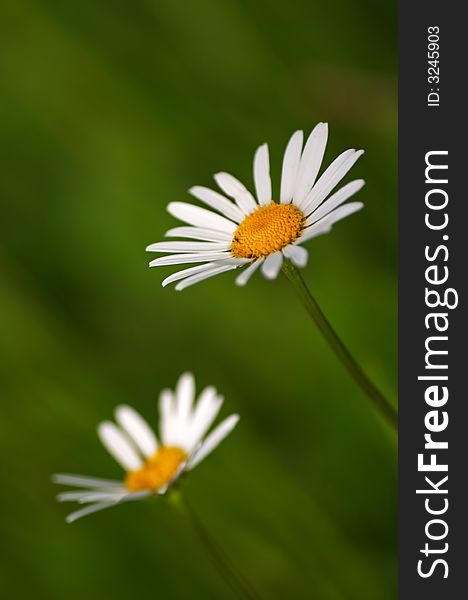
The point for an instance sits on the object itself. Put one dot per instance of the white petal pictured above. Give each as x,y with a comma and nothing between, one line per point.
199,233
262,175
325,224
272,265
118,446
88,511
208,406
92,496
185,395
201,268
186,272
83,481
188,247
291,161
103,497
315,230
330,178
188,281
180,259
335,200
200,217
167,417
310,162
214,439
237,190
310,203
137,429
247,273
297,255
101,505
218,202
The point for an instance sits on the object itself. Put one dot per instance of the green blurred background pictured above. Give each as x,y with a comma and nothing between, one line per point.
109,110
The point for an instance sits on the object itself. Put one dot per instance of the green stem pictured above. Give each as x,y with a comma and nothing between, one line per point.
380,402
239,585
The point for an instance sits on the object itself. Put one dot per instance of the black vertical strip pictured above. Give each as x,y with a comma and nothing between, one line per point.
423,128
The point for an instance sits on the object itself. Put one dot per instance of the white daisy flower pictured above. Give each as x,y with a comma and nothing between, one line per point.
258,232
152,466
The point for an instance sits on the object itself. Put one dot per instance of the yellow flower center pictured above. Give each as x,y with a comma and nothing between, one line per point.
268,229
158,470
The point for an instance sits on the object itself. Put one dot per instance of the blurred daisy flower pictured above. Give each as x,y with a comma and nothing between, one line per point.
152,465
258,232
